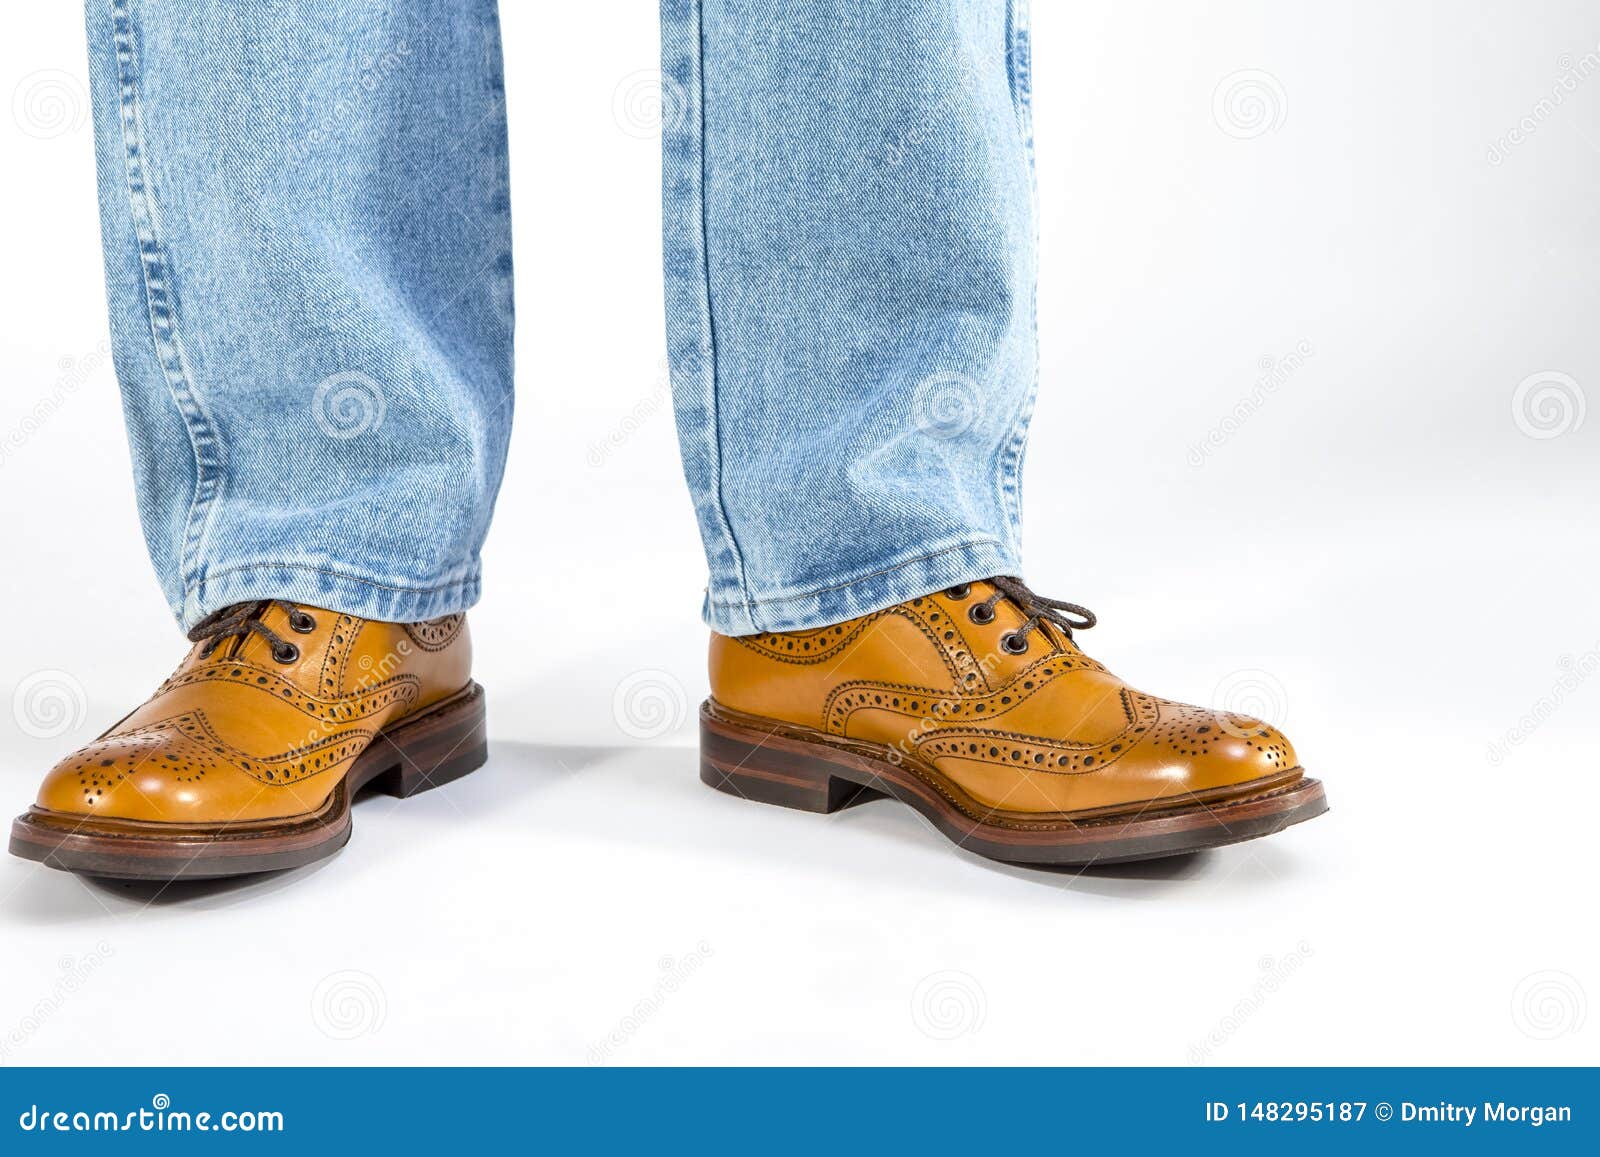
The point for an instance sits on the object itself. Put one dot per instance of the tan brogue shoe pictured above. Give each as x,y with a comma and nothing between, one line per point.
976,707
248,757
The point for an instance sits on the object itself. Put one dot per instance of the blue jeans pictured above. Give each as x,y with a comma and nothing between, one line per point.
307,225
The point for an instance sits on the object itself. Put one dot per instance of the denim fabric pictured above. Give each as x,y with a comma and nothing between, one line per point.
850,284
306,218
307,230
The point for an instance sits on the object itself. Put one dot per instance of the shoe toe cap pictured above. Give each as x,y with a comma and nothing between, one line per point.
156,775
1208,749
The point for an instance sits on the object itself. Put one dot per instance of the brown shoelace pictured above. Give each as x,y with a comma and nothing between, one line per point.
242,620
1064,616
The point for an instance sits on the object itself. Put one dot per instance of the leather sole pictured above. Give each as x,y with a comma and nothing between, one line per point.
778,763
423,751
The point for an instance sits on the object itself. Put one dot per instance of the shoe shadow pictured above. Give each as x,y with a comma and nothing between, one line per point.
637,795
1133,880
514,771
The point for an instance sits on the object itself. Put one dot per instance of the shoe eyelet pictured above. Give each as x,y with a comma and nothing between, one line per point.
286,652
981,613
960,591
1014,644
302,622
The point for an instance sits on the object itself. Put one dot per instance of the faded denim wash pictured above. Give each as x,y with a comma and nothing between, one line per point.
306,219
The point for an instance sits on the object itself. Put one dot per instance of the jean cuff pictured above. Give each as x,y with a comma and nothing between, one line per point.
330,590
884,586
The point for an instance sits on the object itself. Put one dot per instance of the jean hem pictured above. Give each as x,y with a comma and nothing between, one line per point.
883,587
330,590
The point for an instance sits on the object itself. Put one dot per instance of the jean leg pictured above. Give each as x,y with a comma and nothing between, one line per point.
307,232
850,259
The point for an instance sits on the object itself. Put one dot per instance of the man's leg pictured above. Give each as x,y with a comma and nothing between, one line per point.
850,280
850,259
308,253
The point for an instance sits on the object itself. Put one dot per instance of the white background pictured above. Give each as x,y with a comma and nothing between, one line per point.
1381,554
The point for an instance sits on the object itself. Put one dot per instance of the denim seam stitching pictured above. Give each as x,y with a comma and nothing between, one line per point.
899,566
465,580
161,304
1019,67
714,436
